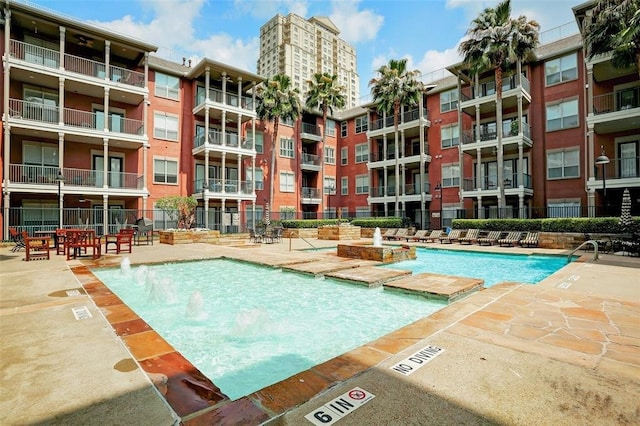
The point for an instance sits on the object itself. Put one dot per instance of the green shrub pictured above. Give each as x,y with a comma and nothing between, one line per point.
605,225
378,222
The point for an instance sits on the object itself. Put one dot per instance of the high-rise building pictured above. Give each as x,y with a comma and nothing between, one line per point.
299,48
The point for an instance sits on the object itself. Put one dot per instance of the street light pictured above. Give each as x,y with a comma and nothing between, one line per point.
60,178
604,160
438,188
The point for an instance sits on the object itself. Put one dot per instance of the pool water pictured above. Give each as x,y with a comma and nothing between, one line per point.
246,326
492,268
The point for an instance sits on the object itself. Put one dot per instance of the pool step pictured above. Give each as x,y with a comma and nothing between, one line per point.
437,286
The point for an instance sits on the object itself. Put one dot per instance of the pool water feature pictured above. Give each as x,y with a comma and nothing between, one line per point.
493,268
246,327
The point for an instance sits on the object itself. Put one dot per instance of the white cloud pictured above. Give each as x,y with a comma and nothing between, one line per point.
224,48
355,25
265,10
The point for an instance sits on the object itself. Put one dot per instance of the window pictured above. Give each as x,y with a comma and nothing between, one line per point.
331,128
287,121
165,171
449,100
329,155
563,208
40,154
343,129
561,69
287,182
450,175
362,212
362,153
563,164
167,86
362,124
330,185
362,184
40,105
344,153
259,142
258,180
286,147
450,136
563,115
165,126
344,186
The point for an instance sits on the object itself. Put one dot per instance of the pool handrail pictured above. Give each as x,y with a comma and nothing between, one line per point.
595,249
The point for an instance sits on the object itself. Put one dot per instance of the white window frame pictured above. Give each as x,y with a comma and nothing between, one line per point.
362,184
331,127
344,132
344,156
564,206
329,155
449,100
362,124
559,65
562,106
344,185
166,175
362,153
287,147
161,128
258,179
166,89
565,166
450,136
287,181
450,175
363,211
259,142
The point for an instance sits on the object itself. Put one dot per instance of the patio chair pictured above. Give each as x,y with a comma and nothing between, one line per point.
254,237
419,235
435,235
511,239
122,240
400,234
17,240
452,237
530,240
144,231
389,233
471,237
491,238
36,248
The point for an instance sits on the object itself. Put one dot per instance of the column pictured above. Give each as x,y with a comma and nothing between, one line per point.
105,106
223,172
107,60
146,70
105,213
63,31
61,101
239,98
520,165
61,167
105,166
61,151
239,184
404,167
480,209
478,184
224,87
145,167
224,128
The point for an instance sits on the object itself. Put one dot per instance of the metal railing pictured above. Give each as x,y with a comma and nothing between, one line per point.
30,174
308,192
310,159
310,129
33,111
490,182
34,54
616,101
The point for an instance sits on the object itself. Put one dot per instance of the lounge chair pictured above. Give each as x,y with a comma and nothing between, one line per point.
510,240
471,237
435,235
530,240
389,233
452,237
491,239
419,235
400,234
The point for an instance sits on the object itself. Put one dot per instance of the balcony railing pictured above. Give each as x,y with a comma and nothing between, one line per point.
310,159
468,135
488,89
230,139
405,117
216,95
490,182
310,129
381,123
51,59
34,111
621,168
616,101
230,186
23,173
308,192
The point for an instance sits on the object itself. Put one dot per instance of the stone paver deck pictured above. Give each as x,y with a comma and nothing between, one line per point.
565,351
437,286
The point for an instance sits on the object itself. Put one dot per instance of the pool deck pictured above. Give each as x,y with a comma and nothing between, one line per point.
565,351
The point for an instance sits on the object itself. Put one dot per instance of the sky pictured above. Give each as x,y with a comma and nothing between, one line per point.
426,32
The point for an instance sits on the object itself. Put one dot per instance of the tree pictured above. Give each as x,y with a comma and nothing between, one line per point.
180,209
496,41
277,100
614,26
395,87
325,94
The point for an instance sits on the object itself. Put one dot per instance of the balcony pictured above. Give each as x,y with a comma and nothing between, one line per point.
489,183
621,168
490,135
616,101
404,118
230,139
485,94
49,114
227,187
49,58
47,175
310,162
310,195
616,111
310,132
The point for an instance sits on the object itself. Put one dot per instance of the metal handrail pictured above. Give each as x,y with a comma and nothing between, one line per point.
595,250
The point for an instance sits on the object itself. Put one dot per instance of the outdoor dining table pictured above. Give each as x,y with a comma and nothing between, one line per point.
78,240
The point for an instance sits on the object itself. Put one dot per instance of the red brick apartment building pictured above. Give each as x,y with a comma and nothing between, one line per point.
96,129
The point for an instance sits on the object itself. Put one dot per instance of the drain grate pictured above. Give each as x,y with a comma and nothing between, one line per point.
74,292
81,313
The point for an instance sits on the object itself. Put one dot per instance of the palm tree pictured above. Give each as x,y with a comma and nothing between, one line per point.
614,26
396,87
495,41
277,100
325,94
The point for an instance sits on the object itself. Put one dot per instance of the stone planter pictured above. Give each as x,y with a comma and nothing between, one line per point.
188,237
300,233
339,233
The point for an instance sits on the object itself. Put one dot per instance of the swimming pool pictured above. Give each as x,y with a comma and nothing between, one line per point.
493,268
246,326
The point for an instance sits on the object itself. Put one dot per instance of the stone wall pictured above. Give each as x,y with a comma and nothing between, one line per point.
188,237
386,254
339,233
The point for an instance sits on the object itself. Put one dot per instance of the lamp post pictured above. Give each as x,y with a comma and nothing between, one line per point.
604,160
332,187
60,178
438,188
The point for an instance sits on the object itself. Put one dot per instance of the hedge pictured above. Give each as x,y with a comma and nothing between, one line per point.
609,225
367,222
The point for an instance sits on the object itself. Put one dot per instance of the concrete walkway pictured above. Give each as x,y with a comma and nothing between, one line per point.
566,351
